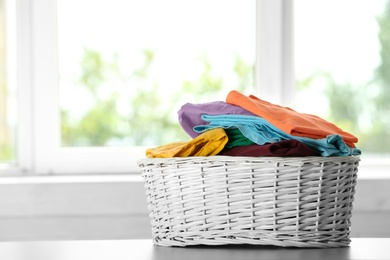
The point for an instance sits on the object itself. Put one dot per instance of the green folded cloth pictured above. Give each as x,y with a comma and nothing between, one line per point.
236,138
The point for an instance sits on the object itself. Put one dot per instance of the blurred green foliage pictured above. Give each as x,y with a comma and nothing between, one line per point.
150,119
6,152
363,110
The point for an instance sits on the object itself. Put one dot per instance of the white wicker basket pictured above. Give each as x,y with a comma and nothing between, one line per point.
219,200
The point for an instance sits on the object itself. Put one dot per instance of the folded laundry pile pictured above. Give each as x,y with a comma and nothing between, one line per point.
249,126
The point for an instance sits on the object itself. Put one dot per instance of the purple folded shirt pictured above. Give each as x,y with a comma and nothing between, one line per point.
285,148
189,114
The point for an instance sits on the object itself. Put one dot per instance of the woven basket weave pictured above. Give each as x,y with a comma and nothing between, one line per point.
219,200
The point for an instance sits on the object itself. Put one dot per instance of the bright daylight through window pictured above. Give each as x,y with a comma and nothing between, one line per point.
99,83
7,85
342,60
133,71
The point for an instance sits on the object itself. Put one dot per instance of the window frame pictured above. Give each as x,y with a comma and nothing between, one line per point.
38,142
39,150
38,145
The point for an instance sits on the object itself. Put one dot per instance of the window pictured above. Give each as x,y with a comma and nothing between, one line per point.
340,63
78,63
341,69
7,85
72,64
134,63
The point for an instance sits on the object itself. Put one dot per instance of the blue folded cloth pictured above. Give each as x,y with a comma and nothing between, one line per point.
260,131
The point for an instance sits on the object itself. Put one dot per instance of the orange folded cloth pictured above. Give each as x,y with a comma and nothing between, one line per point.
208,143
289,120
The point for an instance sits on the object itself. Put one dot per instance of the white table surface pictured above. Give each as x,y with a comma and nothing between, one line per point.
360,248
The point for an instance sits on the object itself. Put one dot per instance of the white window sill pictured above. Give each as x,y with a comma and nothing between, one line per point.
109,178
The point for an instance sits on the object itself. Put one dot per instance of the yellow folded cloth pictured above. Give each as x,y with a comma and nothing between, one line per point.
208,143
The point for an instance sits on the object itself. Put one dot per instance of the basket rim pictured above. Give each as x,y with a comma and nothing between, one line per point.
223,158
